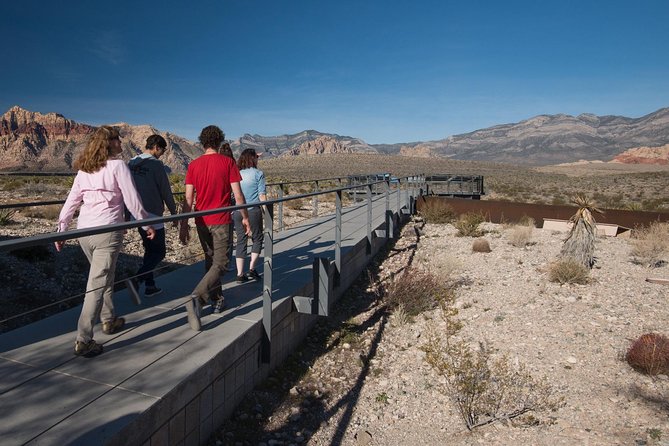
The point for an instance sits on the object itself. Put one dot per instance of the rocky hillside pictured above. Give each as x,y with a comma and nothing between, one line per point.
644,155
33,141
306,142
552,139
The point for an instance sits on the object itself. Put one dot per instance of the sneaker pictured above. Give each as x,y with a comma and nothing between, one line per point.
253,275
113,326
219,306
193,308
87,349
133,290
242,279
152,290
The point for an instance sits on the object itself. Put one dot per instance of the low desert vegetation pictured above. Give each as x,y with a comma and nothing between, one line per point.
437,212
568,271
484,389
520,235
416,291
649,354
481,245
48,212
7,216
468,224
650,244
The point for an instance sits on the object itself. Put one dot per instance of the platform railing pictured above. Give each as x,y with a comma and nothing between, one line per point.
412,186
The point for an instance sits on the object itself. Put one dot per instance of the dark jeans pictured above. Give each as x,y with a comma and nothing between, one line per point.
154,252
214,240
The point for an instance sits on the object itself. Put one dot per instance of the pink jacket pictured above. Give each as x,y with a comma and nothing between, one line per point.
103,194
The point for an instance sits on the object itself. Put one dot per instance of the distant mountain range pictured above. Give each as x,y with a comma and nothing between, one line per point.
51,142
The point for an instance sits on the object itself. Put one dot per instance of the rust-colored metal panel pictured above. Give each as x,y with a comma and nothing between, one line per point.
504,211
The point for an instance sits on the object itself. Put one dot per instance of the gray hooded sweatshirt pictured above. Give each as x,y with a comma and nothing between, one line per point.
152,184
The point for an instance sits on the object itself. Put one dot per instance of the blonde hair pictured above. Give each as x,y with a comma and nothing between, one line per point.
97,151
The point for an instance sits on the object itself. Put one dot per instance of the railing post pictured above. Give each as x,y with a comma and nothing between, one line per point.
390,230
369,218
280,207
315,200
338,206
268,246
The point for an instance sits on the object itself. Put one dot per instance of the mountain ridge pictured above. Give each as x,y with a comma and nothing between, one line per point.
35,141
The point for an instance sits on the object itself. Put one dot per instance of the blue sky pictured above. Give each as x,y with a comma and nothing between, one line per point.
383,71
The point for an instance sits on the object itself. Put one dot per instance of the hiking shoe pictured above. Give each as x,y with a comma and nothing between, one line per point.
242,279
133,290
253,275
152,290
113,326
218,306
193,308
87,349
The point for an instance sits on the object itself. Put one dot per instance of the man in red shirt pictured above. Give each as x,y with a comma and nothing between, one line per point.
210,181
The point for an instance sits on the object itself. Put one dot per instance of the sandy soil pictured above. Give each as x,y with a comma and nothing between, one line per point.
362,378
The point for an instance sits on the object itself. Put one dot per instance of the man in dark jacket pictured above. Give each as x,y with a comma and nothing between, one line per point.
154,189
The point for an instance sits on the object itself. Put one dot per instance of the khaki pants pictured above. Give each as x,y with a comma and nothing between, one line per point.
214,240
102,251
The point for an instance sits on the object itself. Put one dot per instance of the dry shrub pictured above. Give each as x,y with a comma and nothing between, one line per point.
7,216
521,235
650,244
568,270
49,212
580,244
649,354
437,211
468,224
481,245
417,291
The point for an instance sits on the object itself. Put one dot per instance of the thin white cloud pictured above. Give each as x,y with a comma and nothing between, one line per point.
107,46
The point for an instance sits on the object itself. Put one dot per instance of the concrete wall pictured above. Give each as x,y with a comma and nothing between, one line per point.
190,413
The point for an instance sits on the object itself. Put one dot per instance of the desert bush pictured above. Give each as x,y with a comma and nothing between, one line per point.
7,216
650,244
521,235
481,245
437,211
649,354
580,244
568,270
49,212
296,205
468,224
417,291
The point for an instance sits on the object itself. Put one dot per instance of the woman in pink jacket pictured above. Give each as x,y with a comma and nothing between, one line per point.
102,186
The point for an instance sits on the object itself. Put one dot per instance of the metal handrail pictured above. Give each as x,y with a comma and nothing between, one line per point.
41,239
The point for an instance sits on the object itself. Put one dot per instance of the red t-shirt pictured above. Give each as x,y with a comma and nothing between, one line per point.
211,176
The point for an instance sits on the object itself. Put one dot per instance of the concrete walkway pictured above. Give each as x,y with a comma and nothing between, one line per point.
49,396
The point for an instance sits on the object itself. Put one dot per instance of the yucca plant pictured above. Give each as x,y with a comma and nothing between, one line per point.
580,244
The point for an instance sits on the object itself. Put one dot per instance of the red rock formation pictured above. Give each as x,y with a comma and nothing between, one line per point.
644,155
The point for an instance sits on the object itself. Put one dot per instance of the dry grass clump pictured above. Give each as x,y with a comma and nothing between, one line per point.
416,291
481,245
568,270
48,212
468,224
649,354
650,244
521,234
437,212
